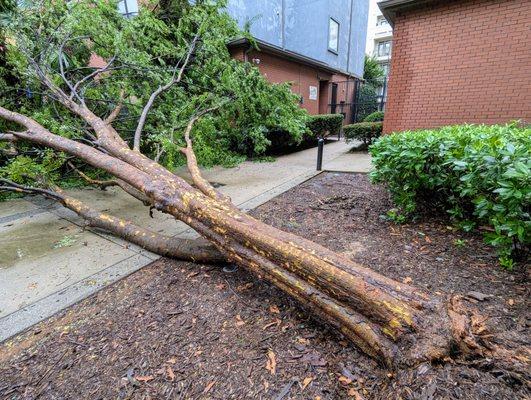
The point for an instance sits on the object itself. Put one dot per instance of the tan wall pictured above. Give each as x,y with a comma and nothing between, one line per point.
460,61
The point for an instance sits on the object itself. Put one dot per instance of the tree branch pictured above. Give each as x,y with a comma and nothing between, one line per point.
116,111
7,137
201,183
113,182
38,134
92,75
181,249
62,70
176,78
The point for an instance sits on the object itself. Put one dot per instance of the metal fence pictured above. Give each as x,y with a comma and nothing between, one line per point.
369,97
357,99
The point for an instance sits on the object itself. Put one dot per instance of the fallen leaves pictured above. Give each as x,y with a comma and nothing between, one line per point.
407,280
146,378
208,387
239,320
274,309
344,380
271,363
306,382
276,322
170,373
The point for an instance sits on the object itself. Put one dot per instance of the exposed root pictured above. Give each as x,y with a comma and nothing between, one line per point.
475,340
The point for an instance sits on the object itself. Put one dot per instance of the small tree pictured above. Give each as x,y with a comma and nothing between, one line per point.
367,95
373,72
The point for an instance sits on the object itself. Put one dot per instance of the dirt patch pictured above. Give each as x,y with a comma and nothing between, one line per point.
182,331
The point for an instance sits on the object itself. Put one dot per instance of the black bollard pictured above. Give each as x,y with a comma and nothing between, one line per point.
320,146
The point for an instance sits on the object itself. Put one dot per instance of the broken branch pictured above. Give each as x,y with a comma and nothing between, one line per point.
174,80
201,183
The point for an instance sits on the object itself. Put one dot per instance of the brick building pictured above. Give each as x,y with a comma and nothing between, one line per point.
458,61
322,89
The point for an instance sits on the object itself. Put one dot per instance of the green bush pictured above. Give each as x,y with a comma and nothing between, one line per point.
481,175
324,125
376,116
367,132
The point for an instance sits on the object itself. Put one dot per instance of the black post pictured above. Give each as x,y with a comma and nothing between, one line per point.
320,145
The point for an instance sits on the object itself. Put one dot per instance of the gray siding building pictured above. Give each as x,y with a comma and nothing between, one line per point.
330,31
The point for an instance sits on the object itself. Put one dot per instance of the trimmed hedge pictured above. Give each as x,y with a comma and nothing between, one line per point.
367,132
324,125
317,126
376,116
480,175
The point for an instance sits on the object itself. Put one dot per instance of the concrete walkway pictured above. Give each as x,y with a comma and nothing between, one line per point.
48,261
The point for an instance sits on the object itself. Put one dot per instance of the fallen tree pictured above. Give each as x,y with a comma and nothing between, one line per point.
391,321
388,320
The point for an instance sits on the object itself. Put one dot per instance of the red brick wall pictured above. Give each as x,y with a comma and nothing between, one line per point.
301,77
278,70
460,61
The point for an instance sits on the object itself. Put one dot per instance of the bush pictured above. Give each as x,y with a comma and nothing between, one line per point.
480,175
376,116
319,125
367,132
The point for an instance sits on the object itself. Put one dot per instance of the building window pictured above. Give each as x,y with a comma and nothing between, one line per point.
381,21
333,35
383,49
128,8
385,68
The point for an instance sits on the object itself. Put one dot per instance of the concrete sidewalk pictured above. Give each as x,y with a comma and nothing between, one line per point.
48,261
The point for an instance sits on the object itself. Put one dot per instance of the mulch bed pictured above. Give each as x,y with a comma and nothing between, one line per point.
181,331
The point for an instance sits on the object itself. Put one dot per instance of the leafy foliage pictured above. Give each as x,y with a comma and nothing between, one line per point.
373,72
376,116
324,125
316,126
367,132
481,175
147,49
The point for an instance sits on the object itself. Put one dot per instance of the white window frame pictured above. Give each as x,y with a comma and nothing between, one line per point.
333,22
383,43
381,21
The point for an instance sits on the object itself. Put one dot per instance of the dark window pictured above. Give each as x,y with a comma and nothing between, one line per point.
383,48
381,21
333,35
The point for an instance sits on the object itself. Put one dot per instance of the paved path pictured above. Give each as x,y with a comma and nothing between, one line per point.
48,261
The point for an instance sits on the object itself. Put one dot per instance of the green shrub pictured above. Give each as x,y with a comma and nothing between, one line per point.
324,125
367,132
481,175
376,116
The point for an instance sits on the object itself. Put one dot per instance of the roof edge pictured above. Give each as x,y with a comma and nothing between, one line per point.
290,55
390,8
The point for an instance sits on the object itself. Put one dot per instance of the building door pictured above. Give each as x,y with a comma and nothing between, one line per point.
333,99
